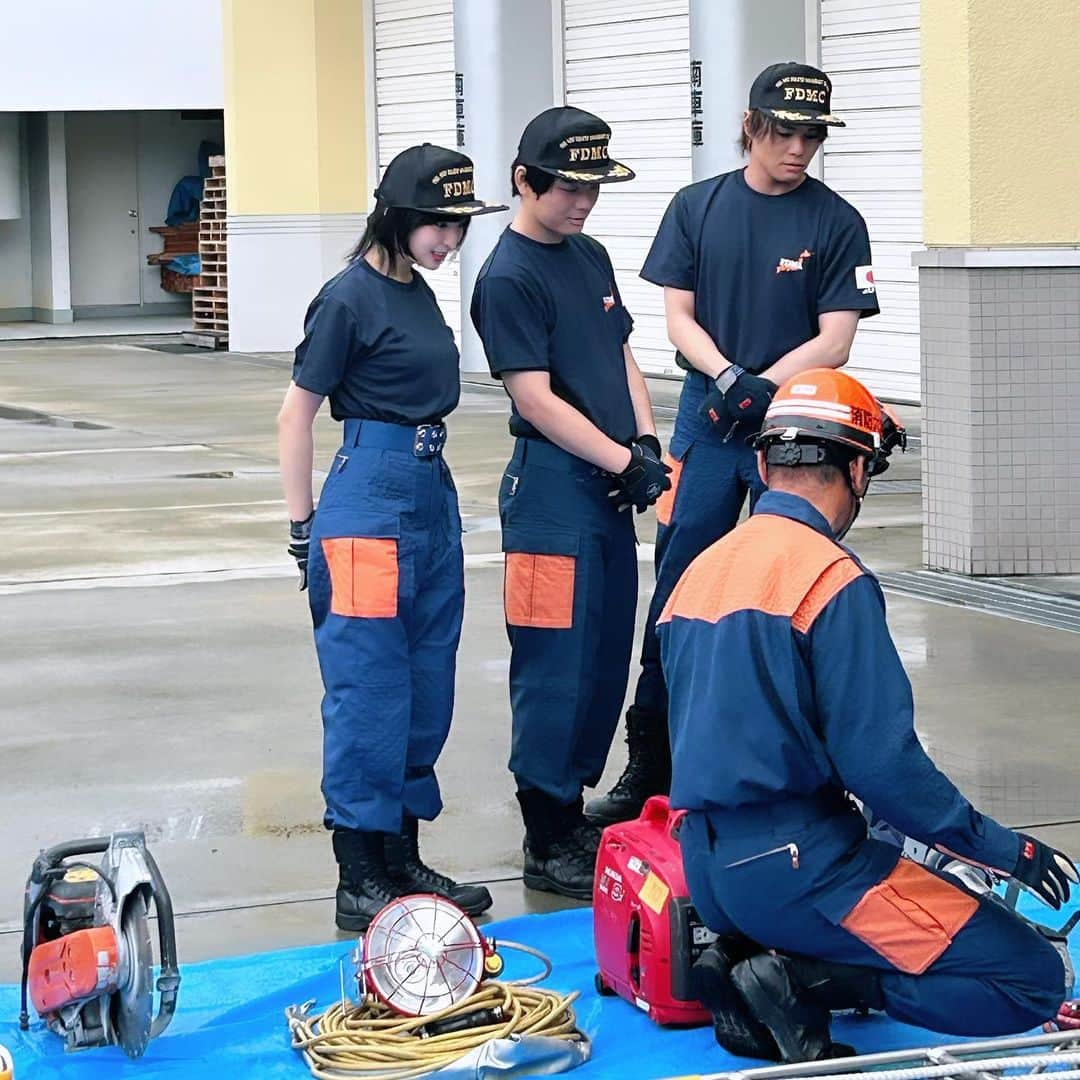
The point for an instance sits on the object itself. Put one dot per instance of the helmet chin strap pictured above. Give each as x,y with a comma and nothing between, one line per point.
856,503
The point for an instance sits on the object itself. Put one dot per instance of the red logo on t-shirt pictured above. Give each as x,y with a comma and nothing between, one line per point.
786,266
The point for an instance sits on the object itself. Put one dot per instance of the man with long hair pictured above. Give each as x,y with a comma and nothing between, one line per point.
766,273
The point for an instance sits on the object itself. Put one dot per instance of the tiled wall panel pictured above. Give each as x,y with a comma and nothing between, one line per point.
1001,420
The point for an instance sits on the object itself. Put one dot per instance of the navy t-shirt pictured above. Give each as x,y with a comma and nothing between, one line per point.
556,308
379,349
762,267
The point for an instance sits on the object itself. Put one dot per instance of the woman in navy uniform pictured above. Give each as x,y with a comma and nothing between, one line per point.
555,330
381,556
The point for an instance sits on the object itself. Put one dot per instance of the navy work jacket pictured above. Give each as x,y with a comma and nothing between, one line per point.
785,685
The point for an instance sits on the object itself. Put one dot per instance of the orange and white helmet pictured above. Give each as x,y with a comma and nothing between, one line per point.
826,406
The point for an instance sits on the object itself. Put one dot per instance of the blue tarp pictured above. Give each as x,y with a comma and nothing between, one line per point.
230,1019
185,264
186,195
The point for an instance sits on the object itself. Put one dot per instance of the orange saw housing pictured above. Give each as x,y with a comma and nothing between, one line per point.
73,968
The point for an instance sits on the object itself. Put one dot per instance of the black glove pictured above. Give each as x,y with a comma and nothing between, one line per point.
641,483
651,445
1045,871
299,543
739,397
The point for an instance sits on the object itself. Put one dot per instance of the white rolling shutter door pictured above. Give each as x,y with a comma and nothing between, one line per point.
871,50
414,100
628,61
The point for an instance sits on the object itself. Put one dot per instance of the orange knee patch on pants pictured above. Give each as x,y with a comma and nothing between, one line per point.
363,576
539,590
666,503
911,917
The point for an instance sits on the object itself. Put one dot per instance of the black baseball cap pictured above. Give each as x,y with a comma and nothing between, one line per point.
435,180
572,144
797,93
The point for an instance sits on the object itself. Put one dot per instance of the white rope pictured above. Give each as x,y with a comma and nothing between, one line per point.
969,1066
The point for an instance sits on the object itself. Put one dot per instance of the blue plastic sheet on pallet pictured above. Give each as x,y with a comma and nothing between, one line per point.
185,264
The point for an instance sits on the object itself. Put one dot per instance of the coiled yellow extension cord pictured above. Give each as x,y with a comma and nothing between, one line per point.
371,1040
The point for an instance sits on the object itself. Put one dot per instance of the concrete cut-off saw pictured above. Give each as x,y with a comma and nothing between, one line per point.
88,958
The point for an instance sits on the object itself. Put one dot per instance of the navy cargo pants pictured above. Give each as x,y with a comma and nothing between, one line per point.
802,879
387,593
710,480
570,598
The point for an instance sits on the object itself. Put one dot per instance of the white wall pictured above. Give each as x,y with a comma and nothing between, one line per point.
168,149
68,55
15,286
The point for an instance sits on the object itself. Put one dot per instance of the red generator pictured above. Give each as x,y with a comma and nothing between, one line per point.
646,931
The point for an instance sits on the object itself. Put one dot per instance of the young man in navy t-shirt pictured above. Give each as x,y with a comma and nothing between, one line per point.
555,331
766,273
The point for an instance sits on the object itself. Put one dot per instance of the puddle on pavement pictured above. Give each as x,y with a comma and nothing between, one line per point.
282,803
252,473
33,416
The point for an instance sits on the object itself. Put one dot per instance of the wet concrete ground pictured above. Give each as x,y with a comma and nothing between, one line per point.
158,672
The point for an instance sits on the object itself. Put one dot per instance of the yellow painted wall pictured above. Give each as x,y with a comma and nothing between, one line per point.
946,122
1001,122
340,76
295,123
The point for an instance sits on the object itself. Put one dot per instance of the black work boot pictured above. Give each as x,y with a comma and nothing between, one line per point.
647,772
364,886
797,1018
839,986
556,860
586,833
411,874
734,1026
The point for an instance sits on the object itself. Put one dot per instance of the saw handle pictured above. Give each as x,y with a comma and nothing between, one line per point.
52,857
168,983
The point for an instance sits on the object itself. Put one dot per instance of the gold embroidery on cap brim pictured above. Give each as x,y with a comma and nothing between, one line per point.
806,118
474,209
594,177
583,177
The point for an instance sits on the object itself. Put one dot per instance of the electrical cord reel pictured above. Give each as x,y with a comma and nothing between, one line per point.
427,999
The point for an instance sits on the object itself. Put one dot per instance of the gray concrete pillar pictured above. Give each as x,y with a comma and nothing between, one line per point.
10,167
504,62
50,261
730,42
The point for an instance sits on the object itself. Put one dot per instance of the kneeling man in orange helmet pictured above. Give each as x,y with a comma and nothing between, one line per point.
787,695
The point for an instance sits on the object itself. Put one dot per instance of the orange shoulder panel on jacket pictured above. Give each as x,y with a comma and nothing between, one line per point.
836,576
769,564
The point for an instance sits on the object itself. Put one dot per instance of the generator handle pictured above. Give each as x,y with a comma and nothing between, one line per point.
657,810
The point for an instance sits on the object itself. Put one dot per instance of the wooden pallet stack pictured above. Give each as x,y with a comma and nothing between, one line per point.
176,240
210,299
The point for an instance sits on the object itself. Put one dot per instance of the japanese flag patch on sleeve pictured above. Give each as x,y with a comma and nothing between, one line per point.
864,279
